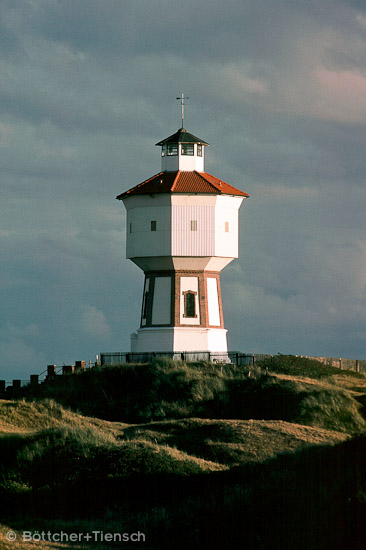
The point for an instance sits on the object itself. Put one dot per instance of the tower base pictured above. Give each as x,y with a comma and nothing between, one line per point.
179,339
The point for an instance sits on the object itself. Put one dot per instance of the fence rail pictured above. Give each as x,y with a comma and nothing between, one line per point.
118,358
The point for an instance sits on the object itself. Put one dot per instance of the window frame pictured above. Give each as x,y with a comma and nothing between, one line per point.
190,309
172,149
187,149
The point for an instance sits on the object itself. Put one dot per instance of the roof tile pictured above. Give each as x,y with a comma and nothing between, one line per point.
183,182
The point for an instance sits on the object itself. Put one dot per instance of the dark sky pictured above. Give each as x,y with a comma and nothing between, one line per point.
278,89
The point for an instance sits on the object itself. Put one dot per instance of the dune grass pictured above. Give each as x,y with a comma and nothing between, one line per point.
197,456
302,366
174,390
312,498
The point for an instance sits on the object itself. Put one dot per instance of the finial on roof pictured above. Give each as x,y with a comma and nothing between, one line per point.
182,100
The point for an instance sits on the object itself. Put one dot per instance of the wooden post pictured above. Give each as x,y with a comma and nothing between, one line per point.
51,371
34,379
2,386
80,365
67,369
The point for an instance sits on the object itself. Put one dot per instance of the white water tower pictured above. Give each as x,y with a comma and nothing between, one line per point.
182,230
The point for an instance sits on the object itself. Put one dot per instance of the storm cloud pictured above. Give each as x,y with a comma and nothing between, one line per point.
87,88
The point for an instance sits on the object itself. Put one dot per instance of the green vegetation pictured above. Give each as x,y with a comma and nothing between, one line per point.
174,390
197,455
302,366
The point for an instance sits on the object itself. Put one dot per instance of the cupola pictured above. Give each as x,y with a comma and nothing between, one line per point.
182,151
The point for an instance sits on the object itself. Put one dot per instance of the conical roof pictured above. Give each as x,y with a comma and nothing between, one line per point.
182,136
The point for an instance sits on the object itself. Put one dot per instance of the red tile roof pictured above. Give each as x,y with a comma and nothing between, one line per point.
183,182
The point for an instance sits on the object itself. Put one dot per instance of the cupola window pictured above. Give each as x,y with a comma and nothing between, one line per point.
187,149
199,150
172,149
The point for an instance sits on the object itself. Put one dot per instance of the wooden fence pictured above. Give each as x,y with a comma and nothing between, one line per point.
8,390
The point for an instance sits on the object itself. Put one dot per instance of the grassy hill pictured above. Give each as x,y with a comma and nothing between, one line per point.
195,456
290,389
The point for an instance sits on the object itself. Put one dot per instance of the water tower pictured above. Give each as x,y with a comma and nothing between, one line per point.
182,230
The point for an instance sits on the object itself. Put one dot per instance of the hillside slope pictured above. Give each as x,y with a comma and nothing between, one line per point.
201,456
175,390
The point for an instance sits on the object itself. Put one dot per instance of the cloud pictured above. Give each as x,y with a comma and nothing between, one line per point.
94,323
88,88
19,351
342,95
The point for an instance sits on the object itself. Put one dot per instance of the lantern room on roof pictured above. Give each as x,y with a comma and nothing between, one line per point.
182,151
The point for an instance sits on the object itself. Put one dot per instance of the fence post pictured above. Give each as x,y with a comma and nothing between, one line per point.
67,369
51,371
2,386
34,379
80,365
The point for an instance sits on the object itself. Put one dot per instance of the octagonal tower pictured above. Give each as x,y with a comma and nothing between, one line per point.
182,230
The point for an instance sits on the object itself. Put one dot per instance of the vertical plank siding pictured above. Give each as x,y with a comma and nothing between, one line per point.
193,243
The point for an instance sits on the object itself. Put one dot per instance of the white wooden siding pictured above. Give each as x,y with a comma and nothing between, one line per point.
226,211
193,243
144,242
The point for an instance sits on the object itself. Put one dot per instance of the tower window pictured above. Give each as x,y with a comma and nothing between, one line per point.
199,150
172,149
187,149
190,304
193,225
130,227
146,301
153,225
226,227
144,304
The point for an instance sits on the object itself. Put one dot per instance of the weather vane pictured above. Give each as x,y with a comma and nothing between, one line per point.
182,99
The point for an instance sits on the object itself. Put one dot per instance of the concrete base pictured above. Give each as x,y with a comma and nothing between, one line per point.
180,339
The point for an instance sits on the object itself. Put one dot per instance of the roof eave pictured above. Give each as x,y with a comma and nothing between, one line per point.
177,137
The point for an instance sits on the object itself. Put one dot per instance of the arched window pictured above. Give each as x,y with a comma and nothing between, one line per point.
190,304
